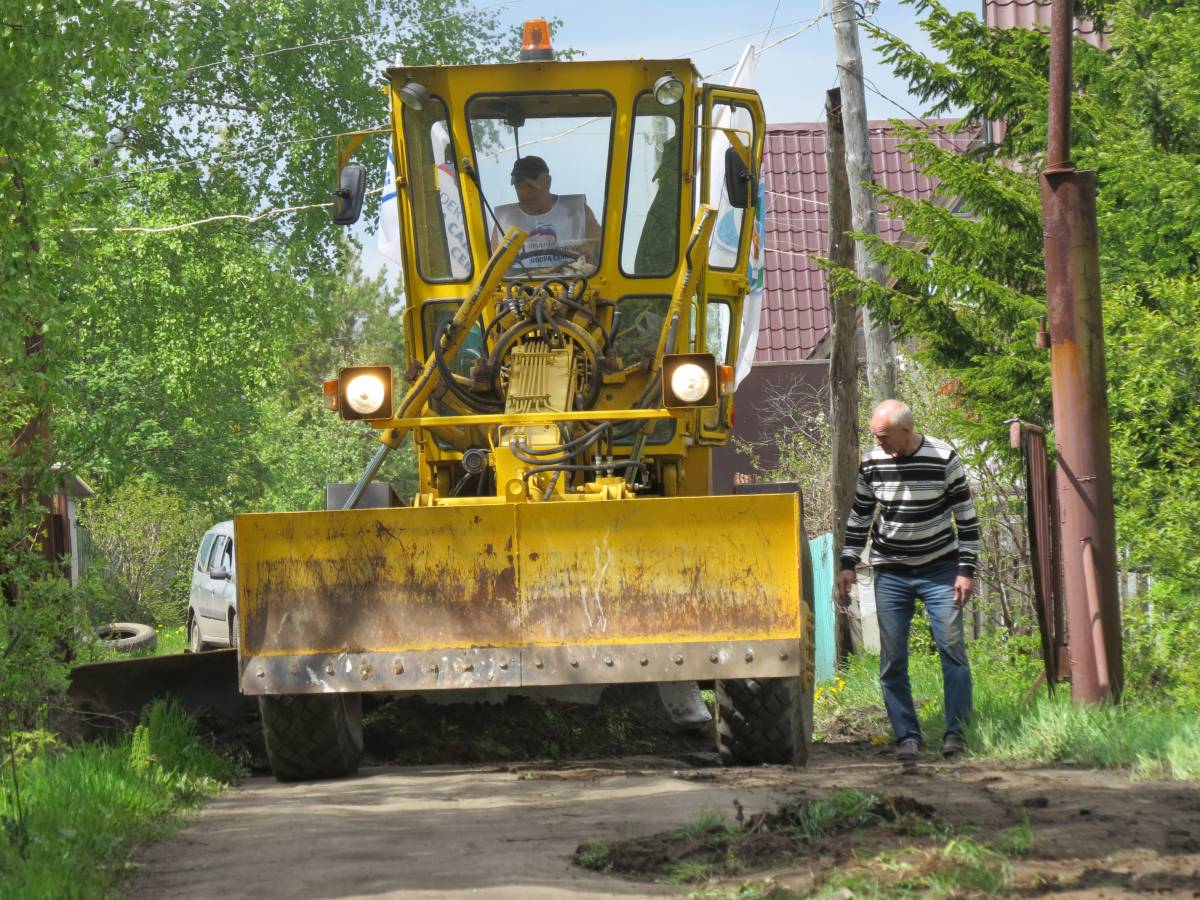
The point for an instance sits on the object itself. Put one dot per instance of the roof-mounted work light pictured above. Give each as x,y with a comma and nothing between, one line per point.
688,380
414,95
668,90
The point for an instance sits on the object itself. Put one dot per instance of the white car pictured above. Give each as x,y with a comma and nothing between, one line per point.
212,606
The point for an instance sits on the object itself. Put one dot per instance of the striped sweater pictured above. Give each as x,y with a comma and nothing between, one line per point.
917,497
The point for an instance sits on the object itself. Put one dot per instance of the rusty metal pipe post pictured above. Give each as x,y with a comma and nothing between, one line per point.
1081,424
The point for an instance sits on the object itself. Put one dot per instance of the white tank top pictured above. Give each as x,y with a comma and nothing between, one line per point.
563,224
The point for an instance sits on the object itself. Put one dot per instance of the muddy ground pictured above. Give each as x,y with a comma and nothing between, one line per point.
509,825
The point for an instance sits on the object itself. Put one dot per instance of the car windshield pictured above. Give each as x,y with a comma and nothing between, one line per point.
543,165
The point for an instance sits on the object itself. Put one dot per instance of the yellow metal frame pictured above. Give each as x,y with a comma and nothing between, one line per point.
538,582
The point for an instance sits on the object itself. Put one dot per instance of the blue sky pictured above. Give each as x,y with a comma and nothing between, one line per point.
791,78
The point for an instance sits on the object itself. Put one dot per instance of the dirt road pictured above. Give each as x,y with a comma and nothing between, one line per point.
510,831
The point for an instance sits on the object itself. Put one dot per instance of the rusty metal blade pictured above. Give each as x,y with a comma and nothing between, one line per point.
403,598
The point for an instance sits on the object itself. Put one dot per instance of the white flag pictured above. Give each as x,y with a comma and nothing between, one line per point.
389,216
727,231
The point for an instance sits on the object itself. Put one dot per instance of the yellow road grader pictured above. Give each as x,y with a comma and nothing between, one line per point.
576,239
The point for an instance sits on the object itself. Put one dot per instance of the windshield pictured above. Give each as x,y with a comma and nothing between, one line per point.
543,164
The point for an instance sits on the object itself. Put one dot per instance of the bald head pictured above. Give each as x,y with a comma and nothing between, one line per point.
893,428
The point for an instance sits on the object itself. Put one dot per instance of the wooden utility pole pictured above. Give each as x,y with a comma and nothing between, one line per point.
843,355
881,360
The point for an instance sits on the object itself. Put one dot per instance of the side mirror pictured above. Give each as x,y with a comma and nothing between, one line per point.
737,179
348,198
220,573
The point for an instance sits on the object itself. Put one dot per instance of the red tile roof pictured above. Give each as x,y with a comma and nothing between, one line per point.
796,307
1036,14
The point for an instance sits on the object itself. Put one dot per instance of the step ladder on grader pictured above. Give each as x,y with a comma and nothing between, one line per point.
575,240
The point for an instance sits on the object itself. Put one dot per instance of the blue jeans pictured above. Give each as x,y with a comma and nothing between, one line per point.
896,591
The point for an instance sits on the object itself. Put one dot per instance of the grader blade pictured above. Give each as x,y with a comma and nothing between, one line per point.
519,594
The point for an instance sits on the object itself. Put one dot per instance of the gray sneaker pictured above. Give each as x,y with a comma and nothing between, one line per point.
952,745
908,750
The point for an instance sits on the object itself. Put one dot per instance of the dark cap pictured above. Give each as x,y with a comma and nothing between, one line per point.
528,167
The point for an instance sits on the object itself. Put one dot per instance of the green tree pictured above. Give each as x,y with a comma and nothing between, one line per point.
969,297
165,352
147,536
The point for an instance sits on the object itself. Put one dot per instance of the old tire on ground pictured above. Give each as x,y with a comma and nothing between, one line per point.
127,636
770,720
311,736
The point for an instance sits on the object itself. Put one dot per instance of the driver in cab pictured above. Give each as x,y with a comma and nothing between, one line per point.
561,227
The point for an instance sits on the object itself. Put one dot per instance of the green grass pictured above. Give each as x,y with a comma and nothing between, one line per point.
842,810
958,867
594,855
1151,740
73,814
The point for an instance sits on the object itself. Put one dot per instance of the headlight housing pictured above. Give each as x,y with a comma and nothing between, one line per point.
361,392
689,380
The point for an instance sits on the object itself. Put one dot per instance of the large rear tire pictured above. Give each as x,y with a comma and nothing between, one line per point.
310,736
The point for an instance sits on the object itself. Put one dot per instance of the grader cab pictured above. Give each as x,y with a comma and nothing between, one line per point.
576,239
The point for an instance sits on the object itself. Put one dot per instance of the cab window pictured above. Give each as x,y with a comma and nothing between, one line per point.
473,350
717,330
543,161
439,224
639,322
727,232
650,234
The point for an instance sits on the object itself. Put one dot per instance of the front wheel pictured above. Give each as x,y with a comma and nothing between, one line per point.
770,720
311,736
196,643
764,720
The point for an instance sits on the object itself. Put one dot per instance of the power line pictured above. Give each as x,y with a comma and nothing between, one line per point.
312,45
805,23
265,214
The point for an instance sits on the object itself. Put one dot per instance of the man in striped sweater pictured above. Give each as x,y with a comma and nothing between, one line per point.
923,544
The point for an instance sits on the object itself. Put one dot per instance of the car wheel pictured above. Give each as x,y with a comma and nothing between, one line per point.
233,631
195,642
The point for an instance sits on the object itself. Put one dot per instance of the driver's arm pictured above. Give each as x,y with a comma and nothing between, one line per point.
591,234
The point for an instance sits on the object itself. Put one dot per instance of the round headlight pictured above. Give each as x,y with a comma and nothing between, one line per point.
414,95
690,383
365,393
668,90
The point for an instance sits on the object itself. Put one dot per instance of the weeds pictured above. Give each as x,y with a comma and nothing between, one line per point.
954,867
1151,741
84,807
593,855
708,823
842,811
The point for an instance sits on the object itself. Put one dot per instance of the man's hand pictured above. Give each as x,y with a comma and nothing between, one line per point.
962,589
845,581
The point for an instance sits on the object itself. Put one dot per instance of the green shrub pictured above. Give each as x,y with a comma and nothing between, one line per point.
147,535
72,815
1162,647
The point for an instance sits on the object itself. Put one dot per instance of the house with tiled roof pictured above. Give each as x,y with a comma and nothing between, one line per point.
792,359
